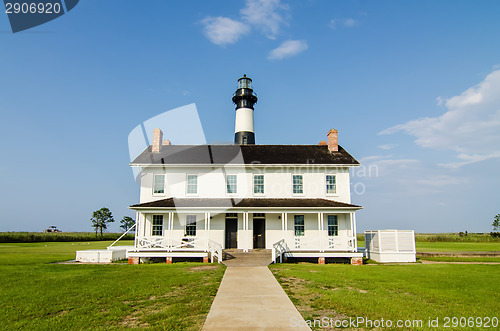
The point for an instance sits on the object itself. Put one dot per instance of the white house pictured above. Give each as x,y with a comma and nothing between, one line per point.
196,200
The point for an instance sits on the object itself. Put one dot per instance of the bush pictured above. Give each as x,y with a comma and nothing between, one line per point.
495,234
25,237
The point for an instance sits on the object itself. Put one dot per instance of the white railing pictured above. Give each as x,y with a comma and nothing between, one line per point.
323,244
163,243
215,250
279,248
133,226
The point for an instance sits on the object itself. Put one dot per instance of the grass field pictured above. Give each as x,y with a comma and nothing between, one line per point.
39,295
395,292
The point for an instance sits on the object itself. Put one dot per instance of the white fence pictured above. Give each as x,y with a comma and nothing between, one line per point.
390,245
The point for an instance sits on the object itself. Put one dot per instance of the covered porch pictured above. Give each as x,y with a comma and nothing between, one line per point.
204,227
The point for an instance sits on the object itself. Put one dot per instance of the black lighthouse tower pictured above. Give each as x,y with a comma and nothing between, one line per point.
244,99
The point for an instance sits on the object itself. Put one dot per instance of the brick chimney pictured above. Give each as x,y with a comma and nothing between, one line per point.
333,140
322,143
166,142
157,140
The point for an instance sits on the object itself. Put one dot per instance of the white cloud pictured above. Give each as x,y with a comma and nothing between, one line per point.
222,30
288,48
268,15
470,126
388,146
347,23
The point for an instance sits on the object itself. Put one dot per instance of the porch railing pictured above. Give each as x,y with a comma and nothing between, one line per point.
322,243
215,250
279,248
163,243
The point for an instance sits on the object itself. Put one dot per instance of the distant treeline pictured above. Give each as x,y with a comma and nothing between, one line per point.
451,237
25,237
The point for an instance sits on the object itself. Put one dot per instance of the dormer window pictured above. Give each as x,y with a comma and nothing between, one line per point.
159,184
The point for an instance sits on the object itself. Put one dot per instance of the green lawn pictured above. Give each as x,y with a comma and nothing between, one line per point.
450,246
395,292
36,294
457,246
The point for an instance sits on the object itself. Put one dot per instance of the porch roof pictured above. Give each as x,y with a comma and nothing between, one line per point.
244,203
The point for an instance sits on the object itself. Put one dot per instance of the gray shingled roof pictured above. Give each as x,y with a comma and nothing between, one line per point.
244,203
245,154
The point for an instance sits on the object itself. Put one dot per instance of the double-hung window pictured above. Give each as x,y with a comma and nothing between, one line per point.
333,225
231,184
331,184
190,225
298,184
258,184
298,224
159,184
192,184
157,225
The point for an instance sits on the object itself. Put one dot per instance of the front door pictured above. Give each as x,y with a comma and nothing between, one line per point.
259,233
231,232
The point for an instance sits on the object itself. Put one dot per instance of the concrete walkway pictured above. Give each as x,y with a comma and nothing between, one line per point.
250,298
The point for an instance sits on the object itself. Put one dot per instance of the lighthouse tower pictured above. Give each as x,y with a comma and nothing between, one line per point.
244,99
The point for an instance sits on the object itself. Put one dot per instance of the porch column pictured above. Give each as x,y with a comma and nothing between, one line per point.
137,215
352,229
171,230
207,229
320,231
355,233
245,232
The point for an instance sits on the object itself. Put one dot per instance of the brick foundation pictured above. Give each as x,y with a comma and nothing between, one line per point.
205,259
321,260
169,260
133,260
356,260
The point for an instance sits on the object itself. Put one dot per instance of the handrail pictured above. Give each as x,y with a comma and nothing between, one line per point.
215,250
279,248
133,226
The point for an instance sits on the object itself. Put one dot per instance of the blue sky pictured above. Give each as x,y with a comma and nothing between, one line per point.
412,87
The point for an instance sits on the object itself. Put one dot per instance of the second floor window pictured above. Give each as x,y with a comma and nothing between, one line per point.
192,184
190,225
231,184
298,184
331,185
298,224
258,184
157,225
333,225
159,184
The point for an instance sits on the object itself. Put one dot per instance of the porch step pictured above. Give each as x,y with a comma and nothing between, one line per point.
253,258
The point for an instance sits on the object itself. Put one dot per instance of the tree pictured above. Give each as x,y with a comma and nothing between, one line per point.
126,223
100,219
496,222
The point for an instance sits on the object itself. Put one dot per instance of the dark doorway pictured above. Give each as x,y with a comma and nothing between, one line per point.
259,231
231,231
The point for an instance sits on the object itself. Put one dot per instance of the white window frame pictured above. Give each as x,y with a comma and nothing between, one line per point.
187,185
190,223
263,184
326,184
157,228
293,191
335,226
227,178
295,225
154,184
